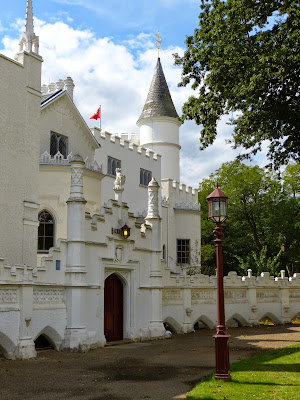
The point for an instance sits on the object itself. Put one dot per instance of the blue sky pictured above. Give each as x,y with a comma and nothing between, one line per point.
108,48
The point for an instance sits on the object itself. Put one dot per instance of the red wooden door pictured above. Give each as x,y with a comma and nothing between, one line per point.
113,308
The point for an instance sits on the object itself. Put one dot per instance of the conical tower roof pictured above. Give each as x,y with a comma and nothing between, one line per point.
159,102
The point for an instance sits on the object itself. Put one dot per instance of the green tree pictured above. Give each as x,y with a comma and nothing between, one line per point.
244,60
263,218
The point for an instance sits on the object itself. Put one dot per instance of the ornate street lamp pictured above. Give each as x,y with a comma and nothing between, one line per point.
217,212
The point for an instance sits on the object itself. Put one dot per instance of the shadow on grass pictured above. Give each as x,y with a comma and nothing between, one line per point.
262,383
262,362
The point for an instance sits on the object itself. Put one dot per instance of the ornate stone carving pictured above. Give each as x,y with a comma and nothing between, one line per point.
119,254
267,296
203,296
235,296
76,176
295,295
153,189
8,296
172,296
119,181
48,295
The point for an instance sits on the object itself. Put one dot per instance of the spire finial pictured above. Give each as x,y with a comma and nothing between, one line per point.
28,40
29,19
158,42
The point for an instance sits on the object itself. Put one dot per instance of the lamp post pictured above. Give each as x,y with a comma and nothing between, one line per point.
217,212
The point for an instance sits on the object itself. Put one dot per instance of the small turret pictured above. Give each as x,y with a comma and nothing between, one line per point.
28,40
159,125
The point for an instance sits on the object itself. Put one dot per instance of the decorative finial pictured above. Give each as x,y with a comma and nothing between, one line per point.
29,19
158,42
28,40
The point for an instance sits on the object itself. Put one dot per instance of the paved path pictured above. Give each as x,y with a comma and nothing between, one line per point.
158,370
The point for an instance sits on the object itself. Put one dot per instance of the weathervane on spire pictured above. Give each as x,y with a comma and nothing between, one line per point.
158,42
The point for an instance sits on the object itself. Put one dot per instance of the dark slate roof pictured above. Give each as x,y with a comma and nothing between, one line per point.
159,102
49,96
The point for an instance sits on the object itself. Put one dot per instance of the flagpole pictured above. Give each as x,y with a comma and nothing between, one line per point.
100,117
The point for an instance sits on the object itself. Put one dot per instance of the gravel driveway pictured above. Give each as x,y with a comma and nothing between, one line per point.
157,370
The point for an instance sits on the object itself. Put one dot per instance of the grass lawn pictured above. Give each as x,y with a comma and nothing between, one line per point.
274,375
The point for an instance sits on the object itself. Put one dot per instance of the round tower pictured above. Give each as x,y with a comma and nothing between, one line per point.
159,125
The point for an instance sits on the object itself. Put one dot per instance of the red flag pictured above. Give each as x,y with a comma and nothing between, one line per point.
96,115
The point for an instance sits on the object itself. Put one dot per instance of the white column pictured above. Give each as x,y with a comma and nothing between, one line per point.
76,338
156,323
26,347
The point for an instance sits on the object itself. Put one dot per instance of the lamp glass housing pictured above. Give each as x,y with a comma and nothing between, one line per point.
125,231
217,209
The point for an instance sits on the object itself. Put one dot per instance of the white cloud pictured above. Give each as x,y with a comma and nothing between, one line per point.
112,75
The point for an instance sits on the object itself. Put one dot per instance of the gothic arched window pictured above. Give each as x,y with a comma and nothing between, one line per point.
112,164
58,143
45,231
145,177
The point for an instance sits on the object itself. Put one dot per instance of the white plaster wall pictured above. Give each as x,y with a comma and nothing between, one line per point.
51,322
132,159
62,117
162,129
54,191
19,127
161,135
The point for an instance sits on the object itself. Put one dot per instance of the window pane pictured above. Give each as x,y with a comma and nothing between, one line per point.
48,243
45,230
53,145
183,251
49,229
216,206
62,147
41,243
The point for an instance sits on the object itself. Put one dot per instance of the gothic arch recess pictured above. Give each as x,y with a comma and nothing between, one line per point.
52,336
236,320
271,317
119,275
7,347
205,321
296,318
172,325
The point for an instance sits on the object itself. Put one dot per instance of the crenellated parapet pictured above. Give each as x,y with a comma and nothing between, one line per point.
248,299
180,196
119,141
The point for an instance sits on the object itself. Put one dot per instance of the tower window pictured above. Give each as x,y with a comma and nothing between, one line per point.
145,177
58,143
183,251
45,231
112,164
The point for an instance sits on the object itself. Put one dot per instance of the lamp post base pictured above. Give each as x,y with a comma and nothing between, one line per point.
222,357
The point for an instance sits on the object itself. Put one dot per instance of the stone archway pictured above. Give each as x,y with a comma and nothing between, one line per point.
113,308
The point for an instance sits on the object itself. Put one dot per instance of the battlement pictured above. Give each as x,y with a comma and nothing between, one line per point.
122,141
184,197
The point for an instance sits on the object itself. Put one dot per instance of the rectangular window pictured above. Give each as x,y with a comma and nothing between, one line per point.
58,143
112,164
183,251
145,177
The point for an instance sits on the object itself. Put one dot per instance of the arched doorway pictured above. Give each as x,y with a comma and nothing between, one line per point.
113,308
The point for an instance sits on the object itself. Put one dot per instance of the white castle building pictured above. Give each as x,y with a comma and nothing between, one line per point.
99,240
